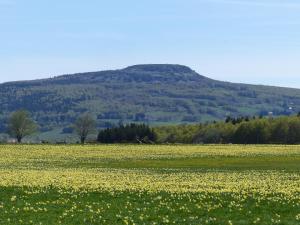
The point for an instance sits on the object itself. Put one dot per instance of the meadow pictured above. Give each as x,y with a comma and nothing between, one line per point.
144,184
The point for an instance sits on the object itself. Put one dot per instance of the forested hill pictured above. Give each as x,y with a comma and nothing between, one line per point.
154,94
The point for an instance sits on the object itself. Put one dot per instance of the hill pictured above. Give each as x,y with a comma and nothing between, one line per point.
154,94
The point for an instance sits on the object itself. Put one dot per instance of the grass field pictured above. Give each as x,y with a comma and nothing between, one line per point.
137,184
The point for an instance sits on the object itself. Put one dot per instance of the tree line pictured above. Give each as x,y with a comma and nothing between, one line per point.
21,124
242,130
131,133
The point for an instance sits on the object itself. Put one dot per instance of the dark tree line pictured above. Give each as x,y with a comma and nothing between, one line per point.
132,133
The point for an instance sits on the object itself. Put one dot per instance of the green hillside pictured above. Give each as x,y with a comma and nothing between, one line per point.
154,94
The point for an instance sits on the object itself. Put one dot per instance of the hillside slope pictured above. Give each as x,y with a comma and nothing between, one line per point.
147,93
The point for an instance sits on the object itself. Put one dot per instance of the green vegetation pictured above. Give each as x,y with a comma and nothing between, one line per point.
151,94
149,184
243,130
132,133
21,125
51,206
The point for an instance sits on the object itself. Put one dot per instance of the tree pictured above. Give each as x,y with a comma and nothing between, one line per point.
212,135
280,130
84,126
261,131
253,132
242,134
294,131
21,125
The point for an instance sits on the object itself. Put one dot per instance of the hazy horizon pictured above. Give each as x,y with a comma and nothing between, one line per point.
242,41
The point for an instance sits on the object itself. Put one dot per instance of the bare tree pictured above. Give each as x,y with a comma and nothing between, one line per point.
84,126
21,125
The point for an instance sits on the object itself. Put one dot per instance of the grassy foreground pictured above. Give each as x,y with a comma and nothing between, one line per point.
137,184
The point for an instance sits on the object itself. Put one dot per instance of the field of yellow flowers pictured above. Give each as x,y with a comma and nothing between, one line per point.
143,184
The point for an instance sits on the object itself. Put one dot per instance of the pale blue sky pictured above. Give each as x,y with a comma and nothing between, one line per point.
251,41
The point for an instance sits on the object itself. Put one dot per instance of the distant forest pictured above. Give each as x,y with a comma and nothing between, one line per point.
150,94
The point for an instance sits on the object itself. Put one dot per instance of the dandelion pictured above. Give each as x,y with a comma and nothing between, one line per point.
13,198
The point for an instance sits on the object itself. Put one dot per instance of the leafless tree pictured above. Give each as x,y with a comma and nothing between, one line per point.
84,126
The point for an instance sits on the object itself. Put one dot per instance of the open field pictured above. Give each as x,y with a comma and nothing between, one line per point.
139,184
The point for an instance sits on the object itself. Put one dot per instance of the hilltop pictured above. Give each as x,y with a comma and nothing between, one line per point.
154,94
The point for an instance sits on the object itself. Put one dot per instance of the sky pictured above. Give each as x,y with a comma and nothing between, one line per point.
245,41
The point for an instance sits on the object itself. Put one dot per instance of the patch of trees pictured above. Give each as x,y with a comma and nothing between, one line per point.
237,120
242,130
132,133
20,125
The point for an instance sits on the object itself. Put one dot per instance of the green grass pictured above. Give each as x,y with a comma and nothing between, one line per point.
222,163
55,207
267,177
